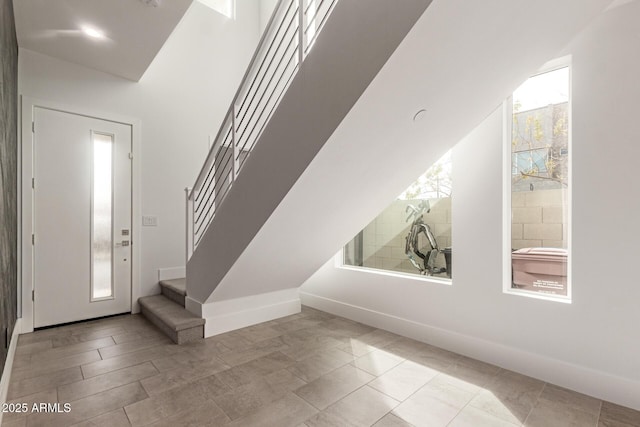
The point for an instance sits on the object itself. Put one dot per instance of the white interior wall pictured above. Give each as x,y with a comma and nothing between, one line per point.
180,102
266,9
590,345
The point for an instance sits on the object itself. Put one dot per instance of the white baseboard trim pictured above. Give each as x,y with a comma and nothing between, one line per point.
229,315
8,364
172,273
579,378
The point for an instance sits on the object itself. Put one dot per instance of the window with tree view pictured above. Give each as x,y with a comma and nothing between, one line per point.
540,184
413,234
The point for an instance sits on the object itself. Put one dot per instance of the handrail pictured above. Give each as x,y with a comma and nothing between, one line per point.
243,81
270,71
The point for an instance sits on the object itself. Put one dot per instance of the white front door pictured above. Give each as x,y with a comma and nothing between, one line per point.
82,217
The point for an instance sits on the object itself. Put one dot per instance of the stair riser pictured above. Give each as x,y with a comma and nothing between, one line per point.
173,295
179,337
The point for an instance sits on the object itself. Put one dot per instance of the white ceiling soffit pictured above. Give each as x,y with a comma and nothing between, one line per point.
119,37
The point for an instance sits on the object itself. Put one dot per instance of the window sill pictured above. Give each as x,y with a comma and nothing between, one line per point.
538,295
399,275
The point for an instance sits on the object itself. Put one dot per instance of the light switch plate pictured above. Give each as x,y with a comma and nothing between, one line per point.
150,221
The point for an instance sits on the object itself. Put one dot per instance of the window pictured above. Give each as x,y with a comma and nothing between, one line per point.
538,189
413,234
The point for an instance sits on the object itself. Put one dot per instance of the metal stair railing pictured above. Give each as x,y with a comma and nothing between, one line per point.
287,39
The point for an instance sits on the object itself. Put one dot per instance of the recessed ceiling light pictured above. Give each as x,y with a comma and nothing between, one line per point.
93,33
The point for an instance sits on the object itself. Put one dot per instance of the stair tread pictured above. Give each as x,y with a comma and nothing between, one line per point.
177,285
172,314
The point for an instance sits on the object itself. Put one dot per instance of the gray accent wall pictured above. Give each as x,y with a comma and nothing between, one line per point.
8,175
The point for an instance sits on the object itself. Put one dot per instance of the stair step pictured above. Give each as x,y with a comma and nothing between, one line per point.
175,289
175,321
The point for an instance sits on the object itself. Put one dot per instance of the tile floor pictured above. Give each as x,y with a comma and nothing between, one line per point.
307,370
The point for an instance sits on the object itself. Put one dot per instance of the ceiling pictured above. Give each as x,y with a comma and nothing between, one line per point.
127,34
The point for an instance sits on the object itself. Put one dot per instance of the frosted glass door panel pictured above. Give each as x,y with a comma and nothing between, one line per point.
102,218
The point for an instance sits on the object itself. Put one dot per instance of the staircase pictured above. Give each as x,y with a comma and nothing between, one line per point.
344,138
167,312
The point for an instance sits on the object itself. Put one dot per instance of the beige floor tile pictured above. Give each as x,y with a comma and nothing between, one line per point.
21,422
210,386
251,373
377,362
369,342
206,415
186,358
99,383
256,350
473,373
126,337
333,386
132,346
362,408
445,391
558,414
294,325
299,348
512,408
231,341
46,396
248,398
559,395
47,366
28,349
116,418
346,327
258,333
403,380
509,396
391,420
290,411
473,417
69,350
247,372
164,381
620,414
130,359
426,411
611,423
324,361
165,405
44,382
90,407
86,336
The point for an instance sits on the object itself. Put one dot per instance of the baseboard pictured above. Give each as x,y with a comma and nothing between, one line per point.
8,364
229,315
172,273
579,378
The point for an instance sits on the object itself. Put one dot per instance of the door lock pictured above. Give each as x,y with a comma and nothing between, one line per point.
123,243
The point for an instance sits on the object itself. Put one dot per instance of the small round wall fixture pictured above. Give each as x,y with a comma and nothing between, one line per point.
420,115
151,3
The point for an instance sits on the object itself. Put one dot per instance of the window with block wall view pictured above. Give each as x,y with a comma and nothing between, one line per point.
539,185
413,234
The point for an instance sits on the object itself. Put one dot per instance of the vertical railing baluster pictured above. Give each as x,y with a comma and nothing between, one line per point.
189,224
301,24
234,144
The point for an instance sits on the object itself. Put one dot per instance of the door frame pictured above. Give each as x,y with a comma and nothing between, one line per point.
26,212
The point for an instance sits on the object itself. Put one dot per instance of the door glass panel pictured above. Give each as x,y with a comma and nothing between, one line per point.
101,221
